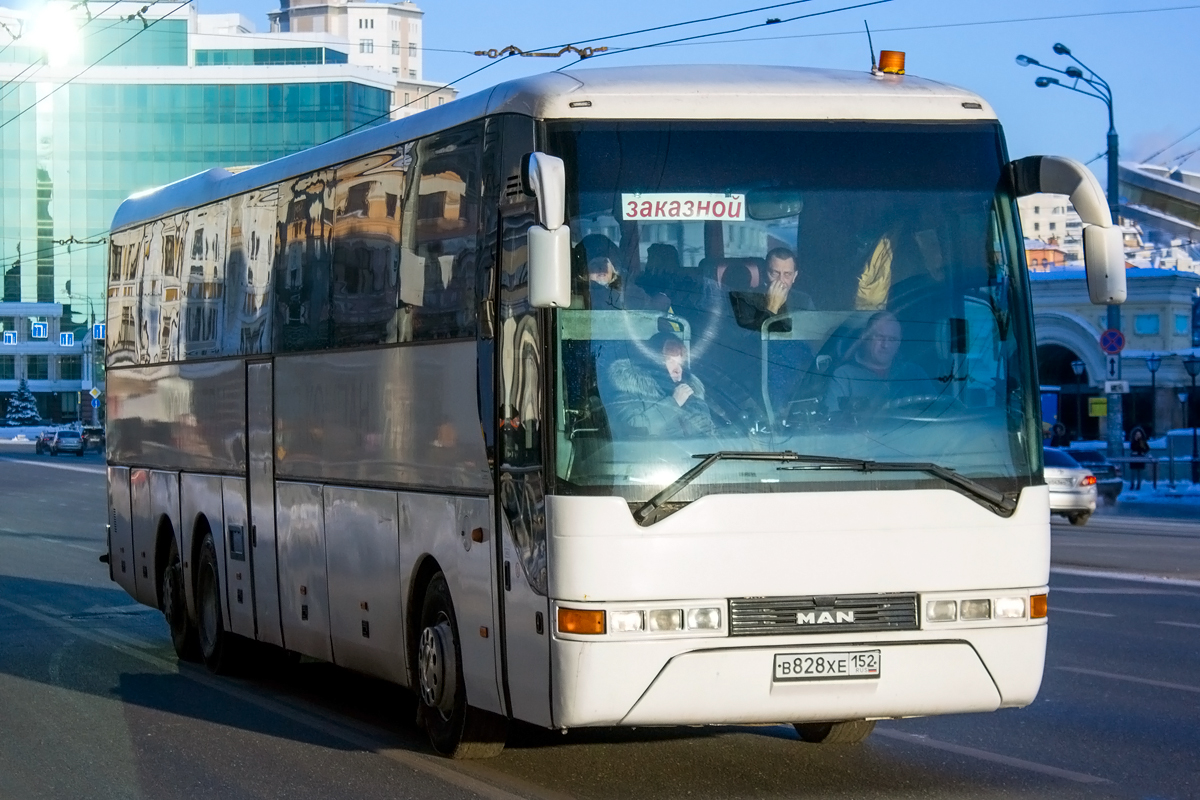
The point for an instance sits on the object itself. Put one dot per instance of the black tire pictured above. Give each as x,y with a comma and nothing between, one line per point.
850,732
53,452
80,453
184,637
1080,518
455,729
220,649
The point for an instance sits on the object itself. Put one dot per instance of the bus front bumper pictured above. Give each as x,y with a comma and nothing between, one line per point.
714,682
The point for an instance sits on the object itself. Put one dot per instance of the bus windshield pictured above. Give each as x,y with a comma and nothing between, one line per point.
835,289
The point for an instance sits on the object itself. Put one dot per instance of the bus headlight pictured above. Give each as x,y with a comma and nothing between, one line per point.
626,621
1010,608
666,619
975,609
704,619
941,611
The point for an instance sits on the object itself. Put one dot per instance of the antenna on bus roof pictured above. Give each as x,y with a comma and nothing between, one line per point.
870,45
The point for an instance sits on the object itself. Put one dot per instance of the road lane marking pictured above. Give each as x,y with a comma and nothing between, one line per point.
51,465
984,755
85,548
1057,610
356,736
1131,679
1179,624
1123,576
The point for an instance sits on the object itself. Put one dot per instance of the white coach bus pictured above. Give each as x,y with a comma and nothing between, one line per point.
647,396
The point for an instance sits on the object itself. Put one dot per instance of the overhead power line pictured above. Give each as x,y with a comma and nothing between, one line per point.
77,75
1158,153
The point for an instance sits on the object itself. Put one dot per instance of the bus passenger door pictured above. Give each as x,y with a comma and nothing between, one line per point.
521,384
260,446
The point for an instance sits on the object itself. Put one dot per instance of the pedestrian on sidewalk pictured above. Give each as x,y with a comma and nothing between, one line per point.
1059,436
1138,448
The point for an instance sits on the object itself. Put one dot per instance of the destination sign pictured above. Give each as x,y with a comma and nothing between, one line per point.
675,206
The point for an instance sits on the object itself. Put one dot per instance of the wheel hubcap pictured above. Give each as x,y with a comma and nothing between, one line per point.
437,667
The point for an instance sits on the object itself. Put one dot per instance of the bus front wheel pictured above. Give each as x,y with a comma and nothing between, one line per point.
455,729
851,732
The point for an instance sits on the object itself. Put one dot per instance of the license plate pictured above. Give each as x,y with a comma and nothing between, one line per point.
1059,481
827,666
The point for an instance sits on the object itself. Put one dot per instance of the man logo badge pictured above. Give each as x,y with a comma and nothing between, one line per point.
824,618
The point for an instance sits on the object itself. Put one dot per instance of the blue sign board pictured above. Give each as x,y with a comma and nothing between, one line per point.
66,340
38,330
10,337
95,402
98,331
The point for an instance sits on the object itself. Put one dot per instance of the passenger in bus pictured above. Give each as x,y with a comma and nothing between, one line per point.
780,295
873,374
607,287
659,396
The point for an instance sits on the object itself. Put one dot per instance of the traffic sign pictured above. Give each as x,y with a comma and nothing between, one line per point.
1116,387
94,392
95,402
1112,341
1112,367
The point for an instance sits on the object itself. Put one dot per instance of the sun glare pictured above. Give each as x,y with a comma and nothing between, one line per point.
55,31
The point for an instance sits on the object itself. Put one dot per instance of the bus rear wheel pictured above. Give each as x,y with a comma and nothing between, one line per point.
455,729
220,649
184,638
850,732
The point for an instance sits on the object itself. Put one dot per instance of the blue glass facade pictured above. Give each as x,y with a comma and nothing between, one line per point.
66,164
271,57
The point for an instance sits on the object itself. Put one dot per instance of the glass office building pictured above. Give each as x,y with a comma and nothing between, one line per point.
138,104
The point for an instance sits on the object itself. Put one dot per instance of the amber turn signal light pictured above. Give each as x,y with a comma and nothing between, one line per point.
1037,606
891,62
578,620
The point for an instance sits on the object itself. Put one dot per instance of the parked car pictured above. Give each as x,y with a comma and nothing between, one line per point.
42,443
67,441
1072,486
1109,483
93,438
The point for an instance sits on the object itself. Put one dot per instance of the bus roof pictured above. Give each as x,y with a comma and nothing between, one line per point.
713,91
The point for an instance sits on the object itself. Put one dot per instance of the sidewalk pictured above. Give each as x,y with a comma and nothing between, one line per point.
1181,502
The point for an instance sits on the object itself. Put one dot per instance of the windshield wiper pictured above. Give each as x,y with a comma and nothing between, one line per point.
989,497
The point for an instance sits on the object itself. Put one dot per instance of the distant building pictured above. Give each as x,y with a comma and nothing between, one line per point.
1040,256
1160,317
57,367
102,101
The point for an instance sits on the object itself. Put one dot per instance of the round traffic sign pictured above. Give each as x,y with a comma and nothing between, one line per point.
1112,341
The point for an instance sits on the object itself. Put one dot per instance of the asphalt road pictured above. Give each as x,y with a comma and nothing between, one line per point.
94,704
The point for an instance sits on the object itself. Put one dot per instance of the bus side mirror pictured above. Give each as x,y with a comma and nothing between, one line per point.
1103,246
549,241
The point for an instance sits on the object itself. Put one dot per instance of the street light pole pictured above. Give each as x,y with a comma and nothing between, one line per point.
1153,362
1078,367
1103,92
1192,365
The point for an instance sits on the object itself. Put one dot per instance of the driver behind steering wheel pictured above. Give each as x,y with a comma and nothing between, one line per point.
872,375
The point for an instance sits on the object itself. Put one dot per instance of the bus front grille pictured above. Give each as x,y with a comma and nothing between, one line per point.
766,616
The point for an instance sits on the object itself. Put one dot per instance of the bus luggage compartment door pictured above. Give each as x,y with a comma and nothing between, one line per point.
260,441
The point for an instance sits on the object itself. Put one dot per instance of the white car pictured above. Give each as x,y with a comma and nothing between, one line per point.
1072,487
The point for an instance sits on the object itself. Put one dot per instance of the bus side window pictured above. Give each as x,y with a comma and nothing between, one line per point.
302,263
441,230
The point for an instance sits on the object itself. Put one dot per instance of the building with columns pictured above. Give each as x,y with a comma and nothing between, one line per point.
1160,317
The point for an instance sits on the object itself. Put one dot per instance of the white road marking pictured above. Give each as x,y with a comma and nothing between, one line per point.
1124,576
53,465
86,548
1179,624
1057,610
984,755
1131,679
355,734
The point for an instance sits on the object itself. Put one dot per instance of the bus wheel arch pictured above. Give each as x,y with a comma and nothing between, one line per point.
455,729
172,600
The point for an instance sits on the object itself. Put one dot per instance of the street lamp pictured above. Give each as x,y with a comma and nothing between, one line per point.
1078,367
1084,80
1192,365
1153,362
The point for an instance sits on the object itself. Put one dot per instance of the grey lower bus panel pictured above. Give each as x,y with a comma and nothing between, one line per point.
143,537
303,585
234,558
363,557
200,507
120,532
